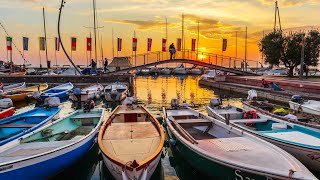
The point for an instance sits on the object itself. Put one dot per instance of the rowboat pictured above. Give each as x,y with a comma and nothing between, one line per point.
296,117
115,92
154,70
195,71
13,88
18,125
300,141
26,93
181,70
61,91
48,150
87,93
224,152
131,142
165,71
4,113
310,106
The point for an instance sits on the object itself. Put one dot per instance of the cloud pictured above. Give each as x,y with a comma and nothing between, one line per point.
145,25
290,2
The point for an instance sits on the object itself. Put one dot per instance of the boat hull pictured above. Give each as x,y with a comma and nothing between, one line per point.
116,170
297,106
6,113
214,169
48,165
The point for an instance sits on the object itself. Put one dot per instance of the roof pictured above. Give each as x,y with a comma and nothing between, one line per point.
120,62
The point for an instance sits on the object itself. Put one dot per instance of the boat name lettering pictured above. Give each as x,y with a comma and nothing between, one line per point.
314,156
238,175
6,167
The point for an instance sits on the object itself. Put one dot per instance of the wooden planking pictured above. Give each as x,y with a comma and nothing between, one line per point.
17,125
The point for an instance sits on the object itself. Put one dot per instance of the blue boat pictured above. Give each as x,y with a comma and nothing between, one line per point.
51,148
14,127
300,141
61,91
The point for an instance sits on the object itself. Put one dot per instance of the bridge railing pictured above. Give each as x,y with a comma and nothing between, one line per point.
210,58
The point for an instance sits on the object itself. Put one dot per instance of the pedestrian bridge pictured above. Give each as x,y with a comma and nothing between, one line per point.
211,61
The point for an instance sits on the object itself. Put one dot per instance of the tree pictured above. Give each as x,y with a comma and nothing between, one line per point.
286,50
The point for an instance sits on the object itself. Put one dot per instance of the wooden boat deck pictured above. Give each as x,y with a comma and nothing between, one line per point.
131,141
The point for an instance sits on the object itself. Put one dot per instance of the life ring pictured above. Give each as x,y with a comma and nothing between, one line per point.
251,114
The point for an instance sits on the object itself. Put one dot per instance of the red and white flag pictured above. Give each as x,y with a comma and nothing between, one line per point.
57,43
179,42
119,44
164,44
9,43
134,44
193,45
89,44
149,44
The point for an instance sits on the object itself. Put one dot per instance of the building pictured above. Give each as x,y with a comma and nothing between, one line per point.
119,63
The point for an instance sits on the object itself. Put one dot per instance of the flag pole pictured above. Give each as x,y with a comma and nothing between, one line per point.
45,38
90,47
112,45
135,52
55,52
11,70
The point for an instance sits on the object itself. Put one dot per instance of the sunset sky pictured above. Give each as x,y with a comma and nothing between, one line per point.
218,19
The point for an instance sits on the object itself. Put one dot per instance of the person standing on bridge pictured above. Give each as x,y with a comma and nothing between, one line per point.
105,65
93,66
172,51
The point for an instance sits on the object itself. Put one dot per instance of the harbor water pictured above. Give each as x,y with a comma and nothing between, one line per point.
154,93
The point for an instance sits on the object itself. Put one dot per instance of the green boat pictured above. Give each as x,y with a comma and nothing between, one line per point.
225,152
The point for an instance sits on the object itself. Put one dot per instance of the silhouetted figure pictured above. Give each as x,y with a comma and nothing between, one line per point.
172,51
305,70
93,66
105,64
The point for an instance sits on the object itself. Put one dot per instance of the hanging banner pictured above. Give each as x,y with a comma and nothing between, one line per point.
42,46
193,45
119,44
164,44
149,44
9,43
25,41
57,43
134,44
89,43
224,44
73,44
179,42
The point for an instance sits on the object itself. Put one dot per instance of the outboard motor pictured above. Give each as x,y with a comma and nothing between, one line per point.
88,105
252,94
214,102
297,99
52,102
174,103
6,103
36,95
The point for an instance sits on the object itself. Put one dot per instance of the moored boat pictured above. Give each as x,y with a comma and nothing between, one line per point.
310,106
25,93
115,92
300,141
145,71
87,93
18,125
225,152
50,149
181,70
154,70
165,71
4,113
13,88
131,142
61,91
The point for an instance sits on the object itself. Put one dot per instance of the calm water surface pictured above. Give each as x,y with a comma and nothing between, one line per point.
154,92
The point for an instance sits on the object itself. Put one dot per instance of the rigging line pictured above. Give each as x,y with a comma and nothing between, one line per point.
14,44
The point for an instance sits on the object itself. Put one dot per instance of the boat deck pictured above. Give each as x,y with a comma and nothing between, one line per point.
131,141
25,150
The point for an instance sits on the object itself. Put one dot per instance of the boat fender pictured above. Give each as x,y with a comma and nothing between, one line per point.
172,142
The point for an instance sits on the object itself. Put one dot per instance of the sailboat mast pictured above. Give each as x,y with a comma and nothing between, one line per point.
198,39
101,49
245,49
95,30
112,45
45,38
182,39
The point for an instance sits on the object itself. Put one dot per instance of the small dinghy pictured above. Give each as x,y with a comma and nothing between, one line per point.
61,91
145,71
165,71
13,88
181,70
195,71
310,106
50,149
13,127
300,141
131,142
225,152
90,92
154,70
26,93
115,92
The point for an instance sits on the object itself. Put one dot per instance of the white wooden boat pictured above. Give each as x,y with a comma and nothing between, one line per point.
115,92
181,70
300,141
165,71
195,71
13,88
87,93
310,106
131,142
145,71
224,152
154,70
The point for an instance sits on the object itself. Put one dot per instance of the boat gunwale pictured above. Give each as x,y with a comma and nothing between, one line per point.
56,149
117,161
44,94
233,164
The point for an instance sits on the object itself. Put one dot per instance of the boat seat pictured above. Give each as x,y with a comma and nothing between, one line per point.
249,120
86,115
17,125
194,122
